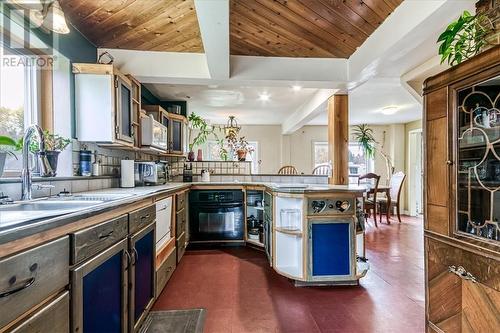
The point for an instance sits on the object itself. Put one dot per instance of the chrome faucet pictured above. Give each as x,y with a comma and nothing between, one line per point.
45,168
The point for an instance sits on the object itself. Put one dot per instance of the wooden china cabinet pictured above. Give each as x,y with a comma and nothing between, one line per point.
462,196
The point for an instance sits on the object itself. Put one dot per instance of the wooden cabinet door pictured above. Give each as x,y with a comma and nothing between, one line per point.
457,303
437,164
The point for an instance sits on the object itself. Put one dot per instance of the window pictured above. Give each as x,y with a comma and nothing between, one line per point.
320,153
18,98
211,152
359,164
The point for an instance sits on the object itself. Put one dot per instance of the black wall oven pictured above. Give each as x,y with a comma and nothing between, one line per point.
216,216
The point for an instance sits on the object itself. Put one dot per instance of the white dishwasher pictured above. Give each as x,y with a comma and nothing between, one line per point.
163,222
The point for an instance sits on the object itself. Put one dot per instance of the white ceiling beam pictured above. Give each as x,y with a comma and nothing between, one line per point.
307,111
399,41
158,65
213,19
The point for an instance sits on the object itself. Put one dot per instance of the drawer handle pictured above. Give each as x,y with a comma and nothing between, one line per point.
25,284
106,236
162,209
145,217
462,273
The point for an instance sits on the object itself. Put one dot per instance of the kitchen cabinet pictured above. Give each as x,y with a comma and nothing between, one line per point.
288,255
462,196
176,127
268,226
177,133
100,291
102,92
142,247
163,222
181,231
255,217
330,249
52,317
30,277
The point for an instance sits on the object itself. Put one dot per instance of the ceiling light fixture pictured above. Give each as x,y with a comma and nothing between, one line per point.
55,19
296,88
388,110
231,129
50,16
264,97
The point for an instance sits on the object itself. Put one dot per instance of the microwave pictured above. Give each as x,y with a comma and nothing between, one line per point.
153,133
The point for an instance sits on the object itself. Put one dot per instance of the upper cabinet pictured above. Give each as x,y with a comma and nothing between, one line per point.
477,149
176,125
104,103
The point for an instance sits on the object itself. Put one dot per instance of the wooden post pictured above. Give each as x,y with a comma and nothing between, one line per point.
338,138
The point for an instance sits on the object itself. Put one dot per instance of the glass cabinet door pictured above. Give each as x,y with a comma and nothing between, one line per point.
478,155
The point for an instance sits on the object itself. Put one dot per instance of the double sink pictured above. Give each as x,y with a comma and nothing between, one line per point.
19,212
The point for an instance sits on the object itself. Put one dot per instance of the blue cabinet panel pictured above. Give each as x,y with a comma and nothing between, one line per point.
331,249
144,273
102,297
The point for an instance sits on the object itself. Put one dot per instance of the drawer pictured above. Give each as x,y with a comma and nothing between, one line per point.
180,201
180,220
141,218
29,277
91,241
181,246
165,271
53,317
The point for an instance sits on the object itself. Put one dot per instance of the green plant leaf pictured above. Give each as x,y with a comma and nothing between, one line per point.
7,141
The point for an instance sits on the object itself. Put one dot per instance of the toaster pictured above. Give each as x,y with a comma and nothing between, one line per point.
150,173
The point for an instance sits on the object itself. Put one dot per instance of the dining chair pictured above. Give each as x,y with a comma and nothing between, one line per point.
322,169
396,184
370,203
287,170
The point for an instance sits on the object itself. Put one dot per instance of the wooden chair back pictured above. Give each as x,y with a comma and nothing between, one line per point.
376,180
397,181
287,170
322,169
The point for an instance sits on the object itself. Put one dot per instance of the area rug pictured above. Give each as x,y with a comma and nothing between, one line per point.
175,321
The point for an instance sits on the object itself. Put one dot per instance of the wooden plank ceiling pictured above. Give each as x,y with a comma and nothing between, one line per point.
304,28
150,25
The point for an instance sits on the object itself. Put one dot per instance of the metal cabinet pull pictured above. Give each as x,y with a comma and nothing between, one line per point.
128,258
135,256
106,236
145,217
462,273
449,162
25,284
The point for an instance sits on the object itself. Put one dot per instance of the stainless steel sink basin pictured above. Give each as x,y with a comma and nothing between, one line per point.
51,207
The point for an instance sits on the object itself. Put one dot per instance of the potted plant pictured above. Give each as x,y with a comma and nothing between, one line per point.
204,130
464,38
242,148
364,136
7,147
54,144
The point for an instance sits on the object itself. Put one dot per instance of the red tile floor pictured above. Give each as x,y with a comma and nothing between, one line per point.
243,294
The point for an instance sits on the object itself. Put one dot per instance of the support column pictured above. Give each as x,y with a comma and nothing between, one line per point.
338,138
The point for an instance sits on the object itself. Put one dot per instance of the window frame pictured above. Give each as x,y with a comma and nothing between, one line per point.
34,81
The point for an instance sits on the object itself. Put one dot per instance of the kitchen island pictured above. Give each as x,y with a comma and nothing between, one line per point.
314,236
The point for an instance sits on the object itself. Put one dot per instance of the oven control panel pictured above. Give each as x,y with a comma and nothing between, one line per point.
330,206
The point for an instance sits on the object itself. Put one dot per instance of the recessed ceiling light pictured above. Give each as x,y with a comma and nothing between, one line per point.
264,97
388,110
296,88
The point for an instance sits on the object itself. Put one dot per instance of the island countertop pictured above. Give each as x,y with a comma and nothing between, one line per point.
18,231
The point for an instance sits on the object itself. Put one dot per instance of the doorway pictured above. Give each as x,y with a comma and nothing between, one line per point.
415,177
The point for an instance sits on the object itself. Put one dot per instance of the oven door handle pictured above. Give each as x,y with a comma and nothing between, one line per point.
220,205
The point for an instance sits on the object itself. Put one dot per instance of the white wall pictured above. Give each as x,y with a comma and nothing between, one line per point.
276,150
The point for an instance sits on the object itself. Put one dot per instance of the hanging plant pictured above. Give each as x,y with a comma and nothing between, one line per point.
463,38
